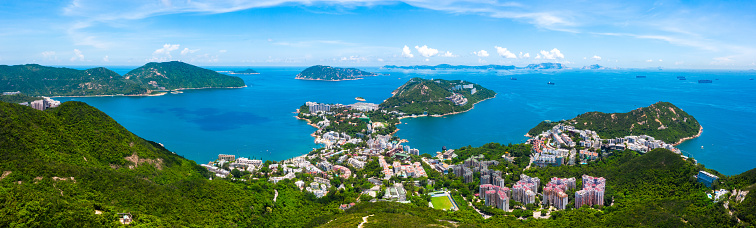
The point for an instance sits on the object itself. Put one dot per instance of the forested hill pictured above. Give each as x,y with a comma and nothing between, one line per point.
662,120
37,80
179,75
62,164
422,95
328,73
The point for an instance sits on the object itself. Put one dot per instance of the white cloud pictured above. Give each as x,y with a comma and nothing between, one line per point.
503,52
106,59
538,56
406,52
379,60
553,54
650,60
524,56
660,60
77,55
48,54
353,59
481,53
164,53
223,51
447,54
425,51
596,57
188,51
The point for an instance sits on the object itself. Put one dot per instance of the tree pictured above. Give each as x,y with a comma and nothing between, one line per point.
236,173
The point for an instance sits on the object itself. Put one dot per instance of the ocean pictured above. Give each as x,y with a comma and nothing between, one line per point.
259,121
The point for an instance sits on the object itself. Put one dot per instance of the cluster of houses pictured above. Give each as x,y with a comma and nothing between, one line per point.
457,99
472,165
398,169
549,146
554,193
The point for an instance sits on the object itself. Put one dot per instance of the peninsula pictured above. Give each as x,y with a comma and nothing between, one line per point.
662,120
436,97
327,73
37,80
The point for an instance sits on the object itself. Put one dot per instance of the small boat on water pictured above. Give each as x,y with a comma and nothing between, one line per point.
550,83
681,78
516,79
640,76
704,81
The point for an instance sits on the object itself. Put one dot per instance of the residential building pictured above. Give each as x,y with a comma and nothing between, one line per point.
226,157
592,193
706,178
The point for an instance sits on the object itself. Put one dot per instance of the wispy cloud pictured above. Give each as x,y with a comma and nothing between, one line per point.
481,53
77,55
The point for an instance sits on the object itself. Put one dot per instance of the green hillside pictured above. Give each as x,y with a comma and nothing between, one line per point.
36,80
662,120
113,171
328,73
18,98
422,95
179,75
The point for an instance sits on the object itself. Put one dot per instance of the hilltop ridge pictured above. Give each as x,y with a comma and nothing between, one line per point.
662,120
37,80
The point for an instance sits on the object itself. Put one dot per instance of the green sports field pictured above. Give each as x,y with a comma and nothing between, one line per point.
441,202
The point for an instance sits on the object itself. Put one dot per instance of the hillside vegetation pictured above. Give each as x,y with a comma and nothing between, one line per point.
422,95
662,120
179,75
37,80
18,98
328,73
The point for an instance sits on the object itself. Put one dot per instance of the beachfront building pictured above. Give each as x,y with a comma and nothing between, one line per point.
365,107
592,193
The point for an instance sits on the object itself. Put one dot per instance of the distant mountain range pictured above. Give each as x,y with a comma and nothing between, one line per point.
37,80
540,66
328,73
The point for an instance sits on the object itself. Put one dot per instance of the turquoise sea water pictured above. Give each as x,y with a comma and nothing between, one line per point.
258,121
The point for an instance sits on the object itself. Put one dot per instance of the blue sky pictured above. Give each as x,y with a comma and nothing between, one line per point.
628,34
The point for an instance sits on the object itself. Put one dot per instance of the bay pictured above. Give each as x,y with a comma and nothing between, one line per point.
258,121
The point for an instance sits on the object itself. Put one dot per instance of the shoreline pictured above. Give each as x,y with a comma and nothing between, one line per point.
152,95
313,79
700,130
447,114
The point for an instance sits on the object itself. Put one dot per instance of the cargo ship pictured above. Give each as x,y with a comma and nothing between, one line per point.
550,83
704,81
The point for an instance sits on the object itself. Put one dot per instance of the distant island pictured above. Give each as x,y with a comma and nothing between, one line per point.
247,71
662,120
598,67
436,97
328,73
540,66
37,80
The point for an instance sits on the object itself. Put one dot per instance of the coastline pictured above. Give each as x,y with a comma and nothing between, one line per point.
451,113
700,130
153,95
